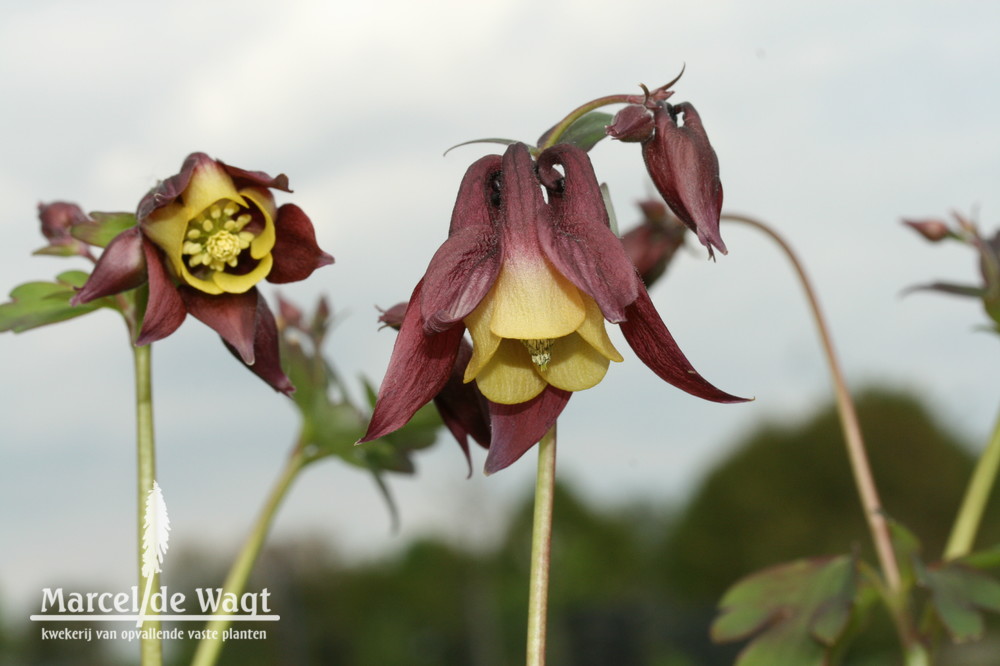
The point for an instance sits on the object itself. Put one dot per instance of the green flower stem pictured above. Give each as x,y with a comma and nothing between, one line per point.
209,648
151,648
541,547
860,467
963,534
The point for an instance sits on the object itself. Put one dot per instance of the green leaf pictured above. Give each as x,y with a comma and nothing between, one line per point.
983,559
907,549
588,130
950,288
331,425
795,613
35,304
57,251
103,229
73,278
958,594
392,452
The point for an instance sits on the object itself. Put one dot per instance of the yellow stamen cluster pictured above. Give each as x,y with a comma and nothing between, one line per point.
540,351
215,239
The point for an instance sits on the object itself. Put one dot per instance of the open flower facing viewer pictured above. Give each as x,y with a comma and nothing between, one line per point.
533,279
204,239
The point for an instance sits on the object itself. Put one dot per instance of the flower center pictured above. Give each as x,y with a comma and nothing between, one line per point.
215,238
541,352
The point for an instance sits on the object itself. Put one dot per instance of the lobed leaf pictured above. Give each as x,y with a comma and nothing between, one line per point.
35,304
959,594
794,613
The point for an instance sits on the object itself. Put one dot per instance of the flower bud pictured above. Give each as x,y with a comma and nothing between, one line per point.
933,230
633,124
685,170
58,219
393,317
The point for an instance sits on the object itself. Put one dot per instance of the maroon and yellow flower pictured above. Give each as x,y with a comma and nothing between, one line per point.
205,238
533,279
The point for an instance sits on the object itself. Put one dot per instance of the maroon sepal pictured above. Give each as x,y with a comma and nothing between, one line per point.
685,169
464,268
170,189
516,428
296,254
580,242
165,310
649,338
122,266
242,178
418,369
232,316
463,408
267,363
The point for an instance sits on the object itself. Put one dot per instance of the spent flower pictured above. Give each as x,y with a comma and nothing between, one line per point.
533,279
205,238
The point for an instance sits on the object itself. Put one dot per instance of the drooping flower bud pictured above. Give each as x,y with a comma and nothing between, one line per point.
933,230
393,317
58,219
633,124
685,170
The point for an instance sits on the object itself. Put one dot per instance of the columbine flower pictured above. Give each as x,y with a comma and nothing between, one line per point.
680,160
533,280
205,237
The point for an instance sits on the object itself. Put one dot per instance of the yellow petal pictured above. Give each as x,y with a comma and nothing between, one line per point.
167,228
209,183
484,341
264,242
575,364
510,377
534,301
592,330
207,286
238,284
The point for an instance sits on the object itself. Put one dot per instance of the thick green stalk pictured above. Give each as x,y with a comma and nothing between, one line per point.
151,649
963,534
541,548
208,649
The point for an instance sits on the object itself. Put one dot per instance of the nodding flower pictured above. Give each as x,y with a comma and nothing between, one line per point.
533,279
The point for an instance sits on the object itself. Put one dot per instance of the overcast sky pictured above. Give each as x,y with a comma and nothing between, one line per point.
831,120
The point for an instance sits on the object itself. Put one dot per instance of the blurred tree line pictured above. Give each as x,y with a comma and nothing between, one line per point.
637,585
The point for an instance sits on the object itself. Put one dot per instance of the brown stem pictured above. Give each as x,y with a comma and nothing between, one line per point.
860,466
